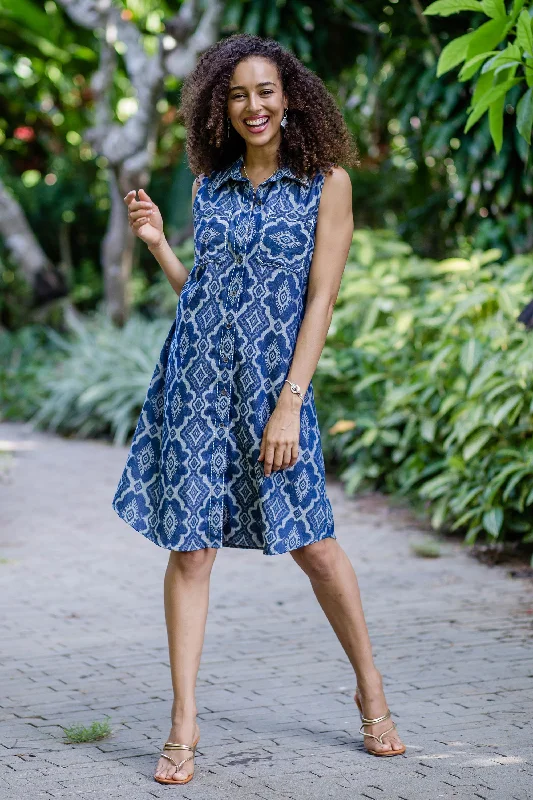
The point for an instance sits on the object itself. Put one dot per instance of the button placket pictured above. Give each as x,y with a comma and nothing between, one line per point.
224,382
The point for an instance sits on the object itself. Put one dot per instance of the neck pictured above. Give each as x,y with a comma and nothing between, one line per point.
261,160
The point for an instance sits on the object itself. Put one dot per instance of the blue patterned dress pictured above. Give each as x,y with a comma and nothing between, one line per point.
192,478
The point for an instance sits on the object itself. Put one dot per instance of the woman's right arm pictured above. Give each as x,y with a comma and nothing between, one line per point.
146,222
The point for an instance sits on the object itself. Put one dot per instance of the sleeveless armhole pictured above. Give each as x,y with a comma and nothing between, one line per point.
198,181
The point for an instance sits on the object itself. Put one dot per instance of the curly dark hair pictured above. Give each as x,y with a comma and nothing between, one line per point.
316,137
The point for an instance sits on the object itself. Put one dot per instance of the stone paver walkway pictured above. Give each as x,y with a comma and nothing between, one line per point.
82,636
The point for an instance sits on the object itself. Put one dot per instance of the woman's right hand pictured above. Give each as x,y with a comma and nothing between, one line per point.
144,218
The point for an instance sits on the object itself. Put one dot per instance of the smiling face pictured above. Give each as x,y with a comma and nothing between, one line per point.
256,101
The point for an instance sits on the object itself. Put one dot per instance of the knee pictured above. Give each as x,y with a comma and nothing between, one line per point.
192,563
318,560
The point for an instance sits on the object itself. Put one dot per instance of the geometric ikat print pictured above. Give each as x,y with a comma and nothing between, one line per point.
192,478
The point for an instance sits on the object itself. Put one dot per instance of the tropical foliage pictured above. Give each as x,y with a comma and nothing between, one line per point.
425,384
497,68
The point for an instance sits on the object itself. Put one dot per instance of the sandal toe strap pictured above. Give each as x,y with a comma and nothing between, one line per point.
169,758
378,738
181,763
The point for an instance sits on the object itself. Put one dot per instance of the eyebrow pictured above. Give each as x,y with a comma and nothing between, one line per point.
263,83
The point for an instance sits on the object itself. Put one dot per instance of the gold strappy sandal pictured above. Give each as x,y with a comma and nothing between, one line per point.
172,746
366,721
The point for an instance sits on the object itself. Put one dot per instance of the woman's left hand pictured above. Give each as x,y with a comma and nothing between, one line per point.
281,437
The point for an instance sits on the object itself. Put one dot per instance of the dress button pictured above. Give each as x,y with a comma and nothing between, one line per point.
229,324
221,424
239,259
224,391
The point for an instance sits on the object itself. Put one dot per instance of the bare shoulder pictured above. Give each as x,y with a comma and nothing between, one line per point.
338,177
337,190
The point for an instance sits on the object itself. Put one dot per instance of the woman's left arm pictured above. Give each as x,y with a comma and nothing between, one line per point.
333,237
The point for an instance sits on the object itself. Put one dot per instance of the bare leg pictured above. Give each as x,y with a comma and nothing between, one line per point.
186,594
336,588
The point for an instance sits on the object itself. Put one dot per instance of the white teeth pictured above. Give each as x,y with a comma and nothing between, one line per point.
256,123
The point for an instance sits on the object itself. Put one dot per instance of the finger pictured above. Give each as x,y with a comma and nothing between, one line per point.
139,223
130,197
144,195
262,448
269,458
137,206
286,457
294,455
278,456
142,212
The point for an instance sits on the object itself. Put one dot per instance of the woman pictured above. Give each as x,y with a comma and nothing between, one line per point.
227,449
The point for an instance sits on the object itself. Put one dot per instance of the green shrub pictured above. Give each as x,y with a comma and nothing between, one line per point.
22,354
98,385
425,384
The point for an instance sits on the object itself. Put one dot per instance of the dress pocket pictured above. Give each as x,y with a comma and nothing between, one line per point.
211,235
285,242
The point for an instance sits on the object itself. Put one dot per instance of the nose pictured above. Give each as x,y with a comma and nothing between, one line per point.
254,105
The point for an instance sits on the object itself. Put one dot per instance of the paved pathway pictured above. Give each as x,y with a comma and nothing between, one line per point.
82,636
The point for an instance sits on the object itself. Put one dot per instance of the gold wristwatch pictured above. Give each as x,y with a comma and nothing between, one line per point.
295,389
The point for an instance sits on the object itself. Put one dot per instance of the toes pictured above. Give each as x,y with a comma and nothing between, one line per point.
164,770
378,748
393,744
396,743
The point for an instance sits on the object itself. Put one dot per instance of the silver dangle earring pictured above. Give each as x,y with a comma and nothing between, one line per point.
228,126
283,122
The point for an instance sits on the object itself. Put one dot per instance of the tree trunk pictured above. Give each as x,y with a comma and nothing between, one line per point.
129,147
45,279
117,256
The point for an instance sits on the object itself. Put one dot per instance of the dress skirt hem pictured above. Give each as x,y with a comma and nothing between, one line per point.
329,534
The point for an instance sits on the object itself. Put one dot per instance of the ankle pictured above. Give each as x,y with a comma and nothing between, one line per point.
370,683
182,715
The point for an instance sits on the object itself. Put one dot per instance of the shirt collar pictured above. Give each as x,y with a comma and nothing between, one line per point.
233,172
